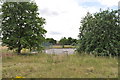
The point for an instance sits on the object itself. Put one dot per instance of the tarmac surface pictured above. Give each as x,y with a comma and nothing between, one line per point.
60,51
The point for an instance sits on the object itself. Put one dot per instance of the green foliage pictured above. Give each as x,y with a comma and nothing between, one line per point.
100,33
51,40
68,41
63,41
21,26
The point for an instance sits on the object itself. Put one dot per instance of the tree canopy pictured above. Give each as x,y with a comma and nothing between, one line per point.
100,33
21,26
51,40
67,41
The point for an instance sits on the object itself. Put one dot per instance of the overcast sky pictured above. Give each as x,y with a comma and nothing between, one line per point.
63,16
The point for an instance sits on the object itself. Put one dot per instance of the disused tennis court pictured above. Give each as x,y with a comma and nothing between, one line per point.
60,51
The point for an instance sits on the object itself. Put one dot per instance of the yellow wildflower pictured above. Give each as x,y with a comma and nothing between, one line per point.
19,77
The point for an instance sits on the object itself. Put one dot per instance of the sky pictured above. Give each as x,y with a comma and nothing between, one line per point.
63,16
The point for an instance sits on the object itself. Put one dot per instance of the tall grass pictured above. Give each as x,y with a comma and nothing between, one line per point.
59,66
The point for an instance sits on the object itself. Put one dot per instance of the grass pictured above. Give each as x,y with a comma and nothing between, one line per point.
59,66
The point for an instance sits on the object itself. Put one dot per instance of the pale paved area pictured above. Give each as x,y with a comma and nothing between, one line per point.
60,51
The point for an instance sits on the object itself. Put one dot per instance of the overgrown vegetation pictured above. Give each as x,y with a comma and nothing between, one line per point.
58,66
22,30
100,33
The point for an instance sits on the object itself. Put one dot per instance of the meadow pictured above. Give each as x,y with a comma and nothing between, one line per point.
43,65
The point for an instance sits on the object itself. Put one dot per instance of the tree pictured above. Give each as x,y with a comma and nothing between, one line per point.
68,41
51,40
100,33
71,41
74,42
21,26
63,41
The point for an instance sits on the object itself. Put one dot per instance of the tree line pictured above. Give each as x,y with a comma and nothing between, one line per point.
62,41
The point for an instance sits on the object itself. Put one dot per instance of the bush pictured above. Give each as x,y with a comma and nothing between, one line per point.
100,33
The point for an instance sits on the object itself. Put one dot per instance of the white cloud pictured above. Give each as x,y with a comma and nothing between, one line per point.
64,16
109,3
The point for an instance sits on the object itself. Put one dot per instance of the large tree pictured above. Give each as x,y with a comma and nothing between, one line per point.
100,33
21,26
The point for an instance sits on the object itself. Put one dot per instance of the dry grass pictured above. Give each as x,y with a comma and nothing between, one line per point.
59,66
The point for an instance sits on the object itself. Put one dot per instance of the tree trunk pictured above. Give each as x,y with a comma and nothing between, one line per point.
19,49
30,49
63,46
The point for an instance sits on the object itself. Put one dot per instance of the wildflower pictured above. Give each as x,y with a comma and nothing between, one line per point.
19,77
